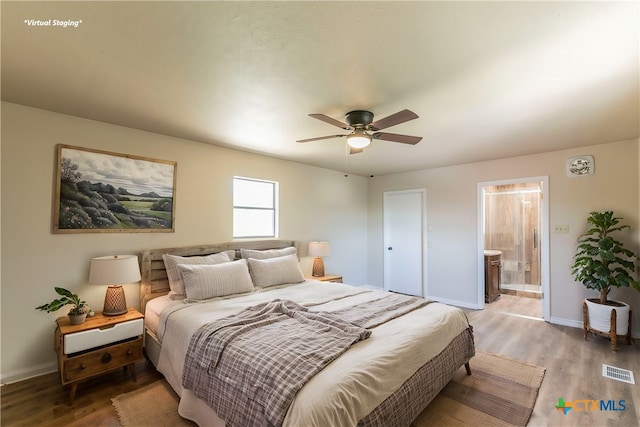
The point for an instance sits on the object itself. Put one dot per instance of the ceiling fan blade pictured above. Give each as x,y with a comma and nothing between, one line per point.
394,119
394,137
321,137
330,120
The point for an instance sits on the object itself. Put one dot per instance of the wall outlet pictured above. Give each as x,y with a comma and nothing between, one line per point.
560,228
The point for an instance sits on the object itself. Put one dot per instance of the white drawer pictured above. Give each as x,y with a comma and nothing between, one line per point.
96,337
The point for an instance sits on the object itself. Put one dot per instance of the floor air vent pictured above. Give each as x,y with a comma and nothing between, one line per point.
617,374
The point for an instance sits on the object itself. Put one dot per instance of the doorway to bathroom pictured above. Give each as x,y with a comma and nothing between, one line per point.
514,230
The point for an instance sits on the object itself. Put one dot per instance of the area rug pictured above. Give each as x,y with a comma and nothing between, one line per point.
153,405
499,392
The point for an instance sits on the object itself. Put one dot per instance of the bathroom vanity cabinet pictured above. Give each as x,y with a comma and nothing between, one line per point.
492,264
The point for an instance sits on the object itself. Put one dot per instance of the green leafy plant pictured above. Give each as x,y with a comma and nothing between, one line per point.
67,297
601,262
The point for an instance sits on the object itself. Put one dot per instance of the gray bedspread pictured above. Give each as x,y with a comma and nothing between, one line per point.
248,367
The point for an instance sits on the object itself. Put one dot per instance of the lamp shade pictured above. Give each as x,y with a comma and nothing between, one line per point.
359,139
114,270
318,249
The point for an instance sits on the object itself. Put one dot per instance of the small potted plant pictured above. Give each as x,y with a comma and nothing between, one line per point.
78,312
601,263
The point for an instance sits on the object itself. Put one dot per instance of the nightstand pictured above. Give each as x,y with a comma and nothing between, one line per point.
100,344
326,278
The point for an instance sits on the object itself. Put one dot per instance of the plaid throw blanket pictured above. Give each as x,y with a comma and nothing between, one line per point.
376,312
249,366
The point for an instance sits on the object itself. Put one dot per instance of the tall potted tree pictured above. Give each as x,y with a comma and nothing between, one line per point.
601,263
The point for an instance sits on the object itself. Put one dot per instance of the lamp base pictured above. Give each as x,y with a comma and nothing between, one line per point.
115,302
318,267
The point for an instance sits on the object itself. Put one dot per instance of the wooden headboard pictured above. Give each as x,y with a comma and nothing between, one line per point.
154,275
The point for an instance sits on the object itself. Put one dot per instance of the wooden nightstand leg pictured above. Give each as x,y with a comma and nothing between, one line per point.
132,368
72,393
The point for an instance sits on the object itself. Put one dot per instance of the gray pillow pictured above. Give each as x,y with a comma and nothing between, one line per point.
218,280
266,254
172,261
275,271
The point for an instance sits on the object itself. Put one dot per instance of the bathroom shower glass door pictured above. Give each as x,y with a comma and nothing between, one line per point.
512,226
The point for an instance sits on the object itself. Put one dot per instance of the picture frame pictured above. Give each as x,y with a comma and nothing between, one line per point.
100,191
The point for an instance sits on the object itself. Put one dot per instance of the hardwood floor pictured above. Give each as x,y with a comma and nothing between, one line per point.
573,367
516,305
42,401
573,372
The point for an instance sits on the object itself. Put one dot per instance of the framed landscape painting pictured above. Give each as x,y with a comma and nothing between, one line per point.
102,192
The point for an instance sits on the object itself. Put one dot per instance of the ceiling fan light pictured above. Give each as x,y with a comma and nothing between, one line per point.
359,139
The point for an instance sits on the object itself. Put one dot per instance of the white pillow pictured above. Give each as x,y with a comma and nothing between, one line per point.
266,254
210,281
172,261
275,271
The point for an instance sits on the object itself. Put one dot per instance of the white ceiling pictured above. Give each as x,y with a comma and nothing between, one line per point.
488,79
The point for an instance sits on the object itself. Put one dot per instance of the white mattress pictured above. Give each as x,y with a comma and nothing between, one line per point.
152,312
356,382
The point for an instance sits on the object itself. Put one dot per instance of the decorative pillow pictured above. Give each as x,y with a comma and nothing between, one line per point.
172,261
275,271
266,254
218,280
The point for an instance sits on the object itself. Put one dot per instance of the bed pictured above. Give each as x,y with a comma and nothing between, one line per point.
386,379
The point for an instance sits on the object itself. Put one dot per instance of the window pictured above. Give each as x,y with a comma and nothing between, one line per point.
255,208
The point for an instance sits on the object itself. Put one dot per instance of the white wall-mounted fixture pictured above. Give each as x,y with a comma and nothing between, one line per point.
580,166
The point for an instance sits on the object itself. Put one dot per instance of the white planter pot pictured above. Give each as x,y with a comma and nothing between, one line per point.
600,316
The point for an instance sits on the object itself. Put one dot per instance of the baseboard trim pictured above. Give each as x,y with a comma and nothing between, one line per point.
578,324
24,374
566,322
463,304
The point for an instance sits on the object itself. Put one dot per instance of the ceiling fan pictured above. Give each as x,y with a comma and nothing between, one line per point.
364,129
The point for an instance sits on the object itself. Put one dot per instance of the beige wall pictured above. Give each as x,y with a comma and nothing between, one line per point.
315,204
452,259
34,260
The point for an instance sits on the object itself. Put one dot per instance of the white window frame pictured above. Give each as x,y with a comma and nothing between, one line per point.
273,208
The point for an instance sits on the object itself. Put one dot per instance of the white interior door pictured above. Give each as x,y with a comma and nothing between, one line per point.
404,226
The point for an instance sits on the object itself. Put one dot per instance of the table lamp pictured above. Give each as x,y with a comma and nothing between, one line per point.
318,250
114,270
